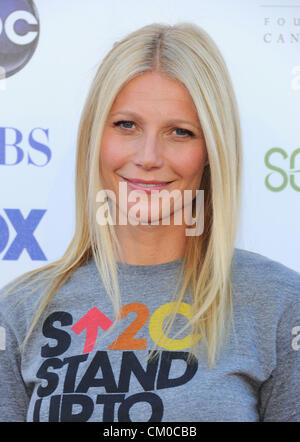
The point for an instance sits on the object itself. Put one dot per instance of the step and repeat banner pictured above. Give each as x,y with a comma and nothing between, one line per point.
49,52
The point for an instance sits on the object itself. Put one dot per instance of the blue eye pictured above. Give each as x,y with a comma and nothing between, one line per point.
124,124
184,132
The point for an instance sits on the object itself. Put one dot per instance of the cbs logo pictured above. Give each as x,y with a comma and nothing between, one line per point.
19,33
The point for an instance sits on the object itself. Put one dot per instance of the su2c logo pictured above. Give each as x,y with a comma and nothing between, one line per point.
95,319
288,175
19,32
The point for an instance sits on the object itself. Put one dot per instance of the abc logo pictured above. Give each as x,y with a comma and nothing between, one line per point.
19,33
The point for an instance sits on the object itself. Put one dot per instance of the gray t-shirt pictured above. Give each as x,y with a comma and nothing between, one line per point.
72,370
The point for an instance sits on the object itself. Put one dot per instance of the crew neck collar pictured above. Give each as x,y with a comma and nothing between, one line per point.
129,268
142,269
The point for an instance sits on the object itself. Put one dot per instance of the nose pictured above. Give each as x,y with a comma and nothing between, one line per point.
149,152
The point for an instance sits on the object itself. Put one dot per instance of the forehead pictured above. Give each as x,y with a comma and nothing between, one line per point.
157,92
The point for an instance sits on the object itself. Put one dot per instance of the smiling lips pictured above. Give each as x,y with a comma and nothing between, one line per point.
146,185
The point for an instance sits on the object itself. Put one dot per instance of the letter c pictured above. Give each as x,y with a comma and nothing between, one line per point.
10,31
156,327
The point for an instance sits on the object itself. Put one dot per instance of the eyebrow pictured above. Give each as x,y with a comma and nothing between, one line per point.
171,121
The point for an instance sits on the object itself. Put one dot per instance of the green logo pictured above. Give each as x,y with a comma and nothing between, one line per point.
287,176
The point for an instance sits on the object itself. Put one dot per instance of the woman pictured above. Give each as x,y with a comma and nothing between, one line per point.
138,314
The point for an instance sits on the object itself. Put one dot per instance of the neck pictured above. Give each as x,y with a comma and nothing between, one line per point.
151,245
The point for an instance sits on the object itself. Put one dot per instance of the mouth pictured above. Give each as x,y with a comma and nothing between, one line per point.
146,185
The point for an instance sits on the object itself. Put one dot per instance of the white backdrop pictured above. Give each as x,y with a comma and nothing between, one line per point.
260,40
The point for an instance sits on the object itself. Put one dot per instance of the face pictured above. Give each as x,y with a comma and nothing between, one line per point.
153,142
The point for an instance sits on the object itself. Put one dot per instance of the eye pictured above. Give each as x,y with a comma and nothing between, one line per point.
184,133
124,124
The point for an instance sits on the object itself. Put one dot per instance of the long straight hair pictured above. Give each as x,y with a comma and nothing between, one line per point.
186,53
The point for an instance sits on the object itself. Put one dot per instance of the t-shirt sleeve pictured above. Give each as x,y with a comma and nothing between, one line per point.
14,398
280,393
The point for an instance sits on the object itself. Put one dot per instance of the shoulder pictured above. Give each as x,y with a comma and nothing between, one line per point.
19,297
266,304
257,278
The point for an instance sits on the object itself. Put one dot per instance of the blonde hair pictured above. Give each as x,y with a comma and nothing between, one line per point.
187,53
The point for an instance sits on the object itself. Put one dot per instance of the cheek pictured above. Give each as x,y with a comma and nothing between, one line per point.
111,155
189,164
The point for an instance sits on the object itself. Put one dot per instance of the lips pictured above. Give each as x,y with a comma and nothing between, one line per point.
146,185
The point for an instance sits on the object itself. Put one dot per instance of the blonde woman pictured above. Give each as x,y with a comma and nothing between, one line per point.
143,312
